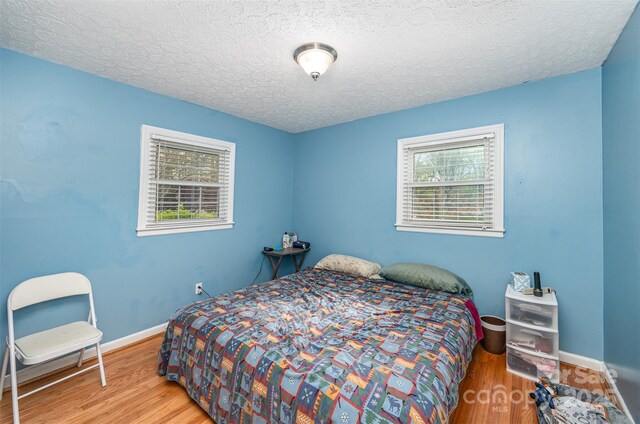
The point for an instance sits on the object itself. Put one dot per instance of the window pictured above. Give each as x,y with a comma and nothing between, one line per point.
186,183
452,183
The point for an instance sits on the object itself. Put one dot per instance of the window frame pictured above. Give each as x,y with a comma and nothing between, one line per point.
451,137
143,228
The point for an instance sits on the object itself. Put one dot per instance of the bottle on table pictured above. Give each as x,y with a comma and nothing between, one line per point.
286,241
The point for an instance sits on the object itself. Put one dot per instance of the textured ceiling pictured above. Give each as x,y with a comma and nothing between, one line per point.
236,57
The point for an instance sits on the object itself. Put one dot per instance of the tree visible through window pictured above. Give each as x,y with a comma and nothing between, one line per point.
180,201
463,200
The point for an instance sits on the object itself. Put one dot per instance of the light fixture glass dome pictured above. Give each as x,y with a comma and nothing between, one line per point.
315,58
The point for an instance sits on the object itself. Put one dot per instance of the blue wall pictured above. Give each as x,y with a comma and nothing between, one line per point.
621,161
69,180
70,146
344,196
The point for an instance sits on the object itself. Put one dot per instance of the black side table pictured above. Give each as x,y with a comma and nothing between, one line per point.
281,254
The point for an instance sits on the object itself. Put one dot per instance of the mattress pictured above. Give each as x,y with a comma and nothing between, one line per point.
321,346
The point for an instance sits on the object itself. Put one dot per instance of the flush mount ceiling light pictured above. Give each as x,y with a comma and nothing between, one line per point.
315,58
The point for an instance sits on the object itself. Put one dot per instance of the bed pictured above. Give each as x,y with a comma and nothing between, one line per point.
322,346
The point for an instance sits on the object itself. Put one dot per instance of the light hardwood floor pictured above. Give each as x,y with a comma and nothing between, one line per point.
135,394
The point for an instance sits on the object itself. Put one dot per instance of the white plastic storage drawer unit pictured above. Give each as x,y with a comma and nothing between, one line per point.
532,335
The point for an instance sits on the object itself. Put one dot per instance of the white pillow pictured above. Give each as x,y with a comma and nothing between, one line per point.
349,265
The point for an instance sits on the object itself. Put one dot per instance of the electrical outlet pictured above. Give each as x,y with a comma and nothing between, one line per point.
198,288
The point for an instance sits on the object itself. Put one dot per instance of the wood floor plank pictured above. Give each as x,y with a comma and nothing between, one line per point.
136,395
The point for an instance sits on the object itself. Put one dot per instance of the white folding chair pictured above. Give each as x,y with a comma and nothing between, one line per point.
53,343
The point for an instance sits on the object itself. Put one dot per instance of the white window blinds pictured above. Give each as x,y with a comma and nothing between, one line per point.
186,183
451,183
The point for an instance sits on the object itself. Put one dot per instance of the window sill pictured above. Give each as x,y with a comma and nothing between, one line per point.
451,231
162,231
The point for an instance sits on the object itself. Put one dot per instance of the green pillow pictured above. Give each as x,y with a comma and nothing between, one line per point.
427,276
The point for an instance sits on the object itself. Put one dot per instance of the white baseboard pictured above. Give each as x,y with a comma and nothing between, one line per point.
597,365
612,383
581,361
35,371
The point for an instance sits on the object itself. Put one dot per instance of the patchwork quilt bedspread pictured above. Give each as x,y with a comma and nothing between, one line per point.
321,346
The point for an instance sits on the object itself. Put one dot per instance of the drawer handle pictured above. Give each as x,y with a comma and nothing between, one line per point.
533,333
531,307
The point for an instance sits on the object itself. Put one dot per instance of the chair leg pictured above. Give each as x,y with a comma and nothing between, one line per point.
81,358
14,385
103,379
5,362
